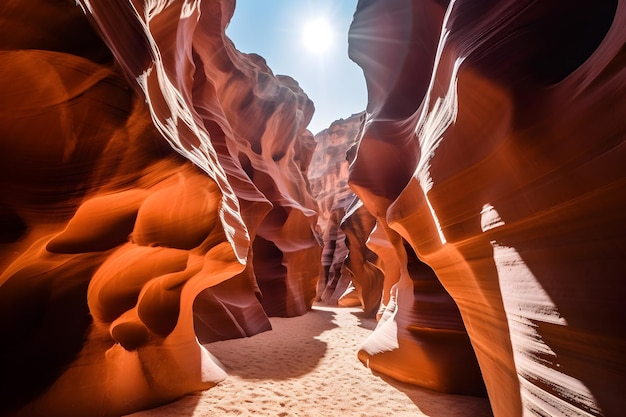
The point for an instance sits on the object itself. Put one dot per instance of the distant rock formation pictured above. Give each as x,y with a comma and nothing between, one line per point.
328,176
363,265
119,253
494,145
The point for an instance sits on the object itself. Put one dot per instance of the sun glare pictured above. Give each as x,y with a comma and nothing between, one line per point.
317,35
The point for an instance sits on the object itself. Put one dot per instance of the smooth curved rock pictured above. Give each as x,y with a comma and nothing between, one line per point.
120,255
362,264
420,337
328,175
495,136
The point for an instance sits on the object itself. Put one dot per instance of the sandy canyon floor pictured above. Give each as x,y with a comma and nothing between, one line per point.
307,366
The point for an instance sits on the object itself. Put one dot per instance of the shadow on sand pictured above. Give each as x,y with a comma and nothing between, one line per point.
365,321
289,350
436,404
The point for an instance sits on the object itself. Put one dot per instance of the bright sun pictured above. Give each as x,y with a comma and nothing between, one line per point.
317,35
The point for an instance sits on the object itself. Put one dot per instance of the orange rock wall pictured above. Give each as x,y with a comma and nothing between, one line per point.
138,177
328,175
154,195
362,264
494,145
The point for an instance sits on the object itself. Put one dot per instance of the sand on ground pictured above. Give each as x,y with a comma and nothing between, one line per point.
308,366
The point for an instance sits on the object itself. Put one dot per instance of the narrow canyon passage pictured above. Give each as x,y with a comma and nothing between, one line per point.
169,194
307,366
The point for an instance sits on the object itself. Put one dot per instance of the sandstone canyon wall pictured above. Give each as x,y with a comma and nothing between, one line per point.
494,145
328,176
154,197
139,177
363,265
367,264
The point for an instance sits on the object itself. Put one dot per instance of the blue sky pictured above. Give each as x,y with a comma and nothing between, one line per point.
273,29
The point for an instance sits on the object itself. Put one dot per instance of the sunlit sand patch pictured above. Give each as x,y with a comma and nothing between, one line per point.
307,366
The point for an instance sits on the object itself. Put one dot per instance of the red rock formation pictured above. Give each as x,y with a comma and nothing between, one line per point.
362,264
494,145
328,175
420,337
96,207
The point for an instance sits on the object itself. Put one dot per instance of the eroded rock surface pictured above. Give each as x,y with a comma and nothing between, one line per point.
328,175
155,195
135,175
362,264
494,145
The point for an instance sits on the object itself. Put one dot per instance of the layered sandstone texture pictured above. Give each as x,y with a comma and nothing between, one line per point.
154,198
362,265
420,337
328,176
494,146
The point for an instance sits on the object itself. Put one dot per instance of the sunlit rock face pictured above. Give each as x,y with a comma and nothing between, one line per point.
420,337
328,175
219,107
120,253
494,144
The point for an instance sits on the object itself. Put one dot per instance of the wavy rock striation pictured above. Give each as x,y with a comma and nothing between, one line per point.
155,197
119,252
494,145
362,264
328,175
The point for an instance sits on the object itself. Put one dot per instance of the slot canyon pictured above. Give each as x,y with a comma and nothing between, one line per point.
161,195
